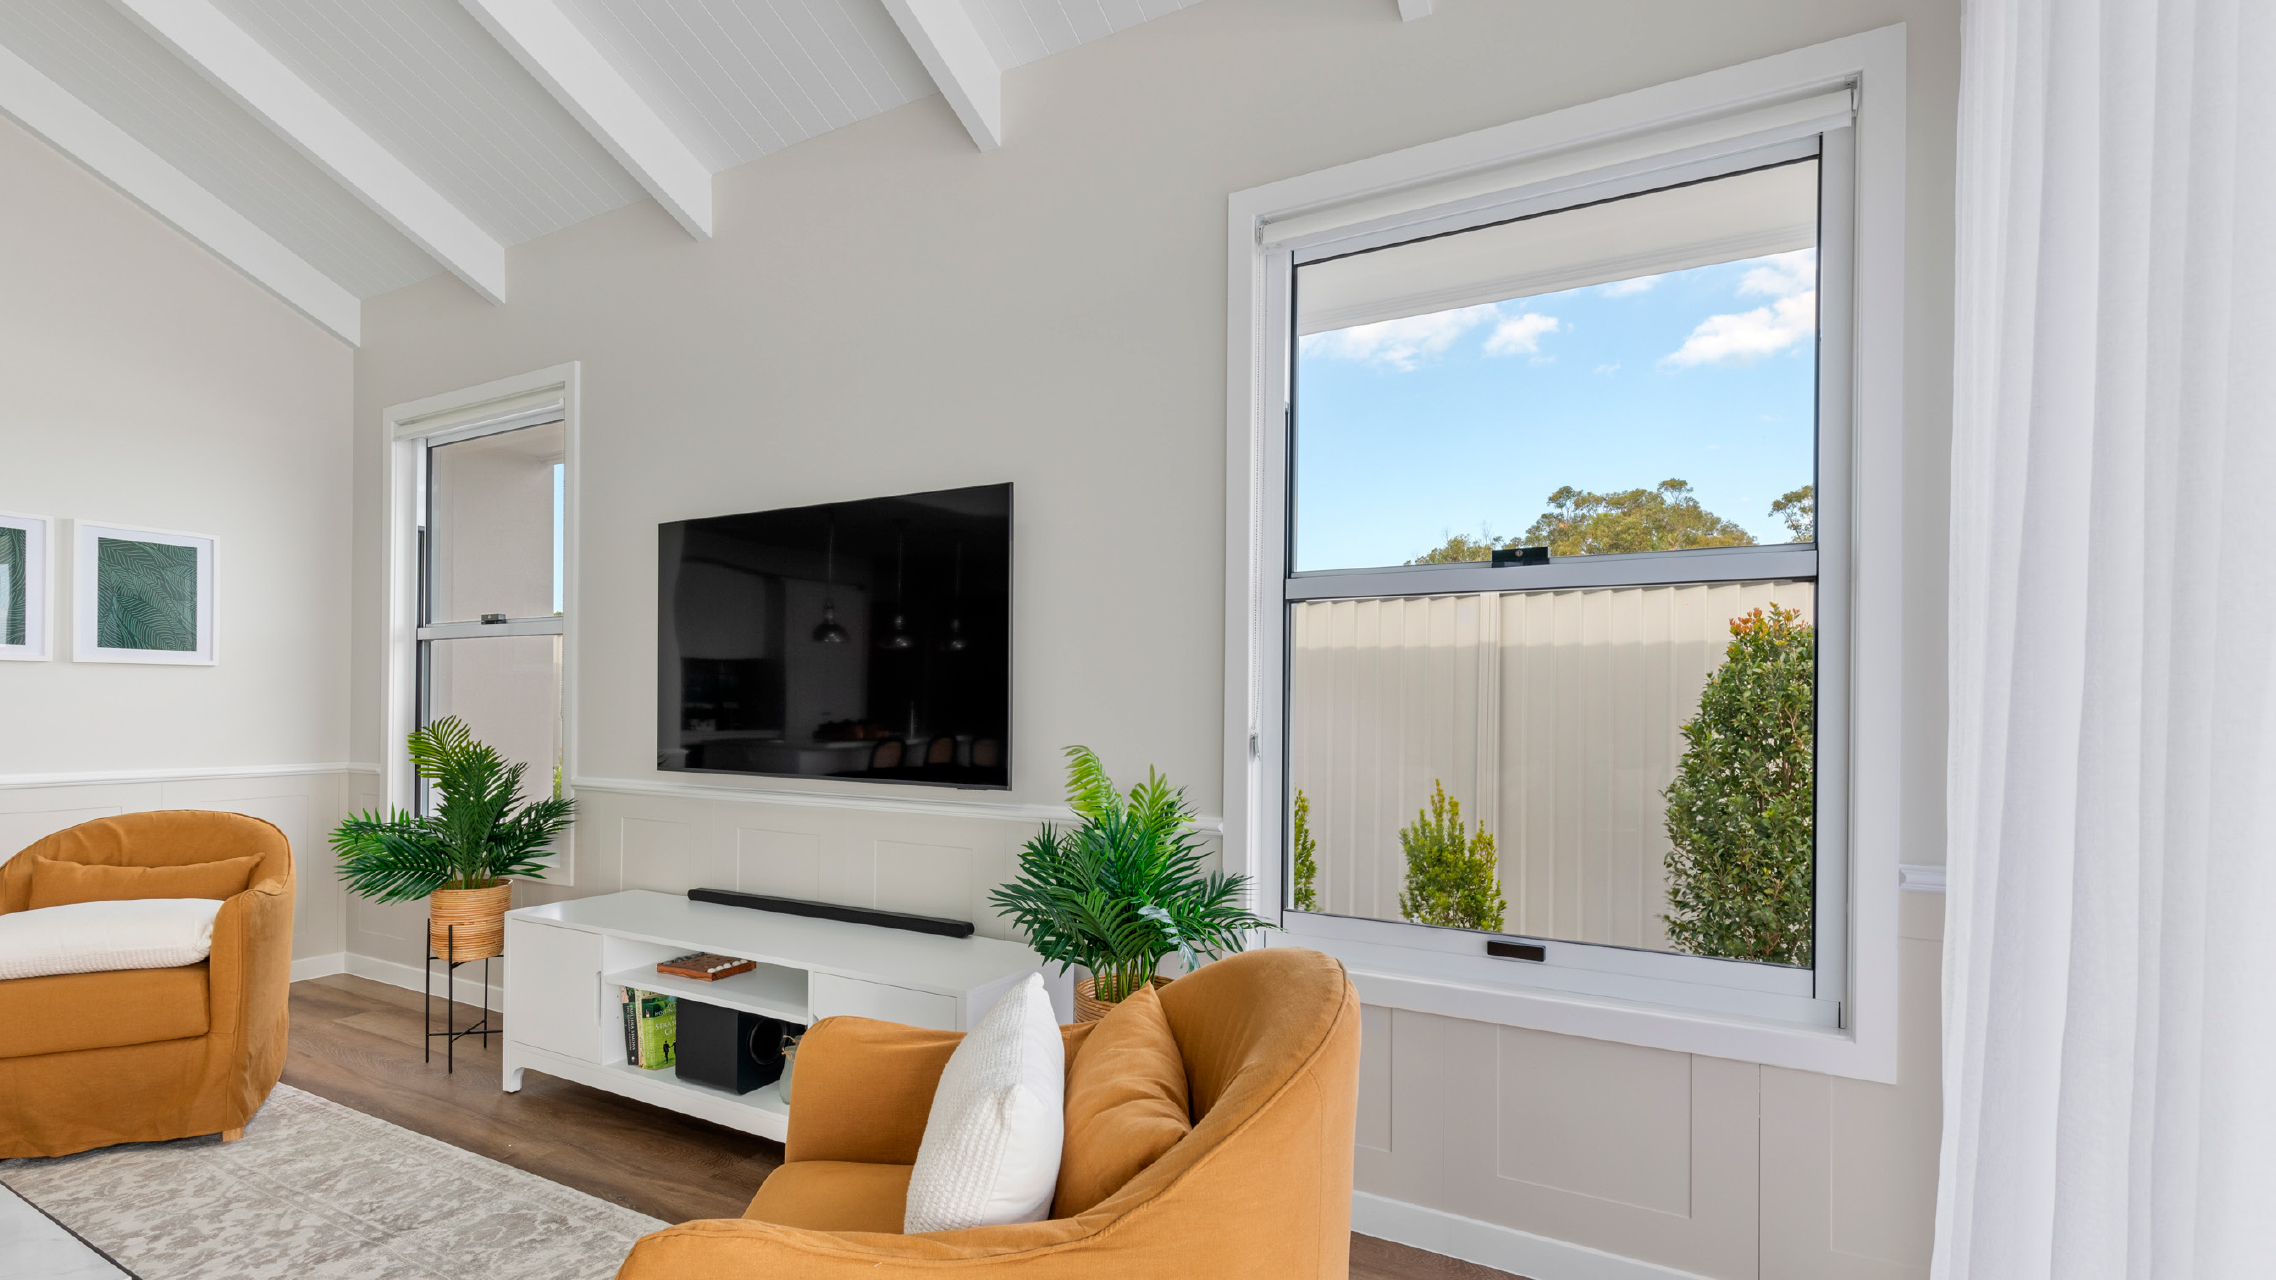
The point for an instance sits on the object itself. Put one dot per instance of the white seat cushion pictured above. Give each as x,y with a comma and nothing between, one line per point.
990,1154
91,937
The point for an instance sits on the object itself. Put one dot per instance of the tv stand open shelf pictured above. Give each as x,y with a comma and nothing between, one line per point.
565,960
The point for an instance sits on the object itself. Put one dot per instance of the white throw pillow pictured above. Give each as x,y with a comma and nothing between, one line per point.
990,1155
90,937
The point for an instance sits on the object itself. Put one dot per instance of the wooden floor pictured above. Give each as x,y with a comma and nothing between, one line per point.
358,1042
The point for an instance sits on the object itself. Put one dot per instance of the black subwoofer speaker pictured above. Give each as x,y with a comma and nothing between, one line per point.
728,1048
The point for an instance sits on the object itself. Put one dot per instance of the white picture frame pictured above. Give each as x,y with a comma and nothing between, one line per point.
36,590
157,580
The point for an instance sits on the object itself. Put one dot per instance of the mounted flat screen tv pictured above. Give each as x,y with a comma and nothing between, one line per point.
862,640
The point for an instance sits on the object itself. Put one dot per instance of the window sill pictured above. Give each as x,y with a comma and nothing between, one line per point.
1778,1044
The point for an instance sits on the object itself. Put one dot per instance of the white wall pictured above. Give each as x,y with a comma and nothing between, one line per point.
885,310
145,383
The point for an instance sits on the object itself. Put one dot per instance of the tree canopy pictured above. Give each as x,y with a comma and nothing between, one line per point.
1666,518
1799,509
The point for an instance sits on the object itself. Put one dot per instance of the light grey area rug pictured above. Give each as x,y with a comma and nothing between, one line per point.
316,1191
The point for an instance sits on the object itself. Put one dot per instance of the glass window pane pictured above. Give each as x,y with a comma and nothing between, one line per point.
1630,766
491,532
508,690
1636,375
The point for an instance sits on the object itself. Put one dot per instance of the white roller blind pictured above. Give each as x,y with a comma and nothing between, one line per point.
1757,126
1743,216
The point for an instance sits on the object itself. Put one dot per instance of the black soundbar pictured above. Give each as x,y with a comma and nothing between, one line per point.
833,911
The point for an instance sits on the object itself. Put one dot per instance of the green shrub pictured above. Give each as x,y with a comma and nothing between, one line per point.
1740,812
1452,875
1306,872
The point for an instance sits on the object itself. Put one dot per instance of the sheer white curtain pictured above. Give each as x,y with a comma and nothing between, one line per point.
2110,999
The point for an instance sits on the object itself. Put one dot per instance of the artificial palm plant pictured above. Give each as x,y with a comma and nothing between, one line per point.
479,833
1123,888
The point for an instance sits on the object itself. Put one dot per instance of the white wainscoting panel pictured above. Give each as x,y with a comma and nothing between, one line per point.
304,801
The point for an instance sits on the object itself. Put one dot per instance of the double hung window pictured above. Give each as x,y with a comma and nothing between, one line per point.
1563,496
490,511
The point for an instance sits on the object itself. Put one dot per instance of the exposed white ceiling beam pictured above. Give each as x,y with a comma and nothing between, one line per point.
76,129
241,67
942,33
581,78
1409,10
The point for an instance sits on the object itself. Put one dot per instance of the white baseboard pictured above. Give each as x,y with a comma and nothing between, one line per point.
307,967
468,987
1491,1245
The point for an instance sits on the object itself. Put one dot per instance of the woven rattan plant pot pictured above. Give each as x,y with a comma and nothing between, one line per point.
480,915
1089,1008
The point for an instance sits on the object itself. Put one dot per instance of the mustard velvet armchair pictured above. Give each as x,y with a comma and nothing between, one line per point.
143,1055
1260,1189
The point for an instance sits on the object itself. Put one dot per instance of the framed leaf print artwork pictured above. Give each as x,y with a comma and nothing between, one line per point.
141,595
24,589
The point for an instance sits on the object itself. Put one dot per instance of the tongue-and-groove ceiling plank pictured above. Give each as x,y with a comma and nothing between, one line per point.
559,55
356,133
737,81
434,88
258,80
104,60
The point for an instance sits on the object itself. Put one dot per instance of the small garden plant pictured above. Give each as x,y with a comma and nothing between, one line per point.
1305,871
1453,874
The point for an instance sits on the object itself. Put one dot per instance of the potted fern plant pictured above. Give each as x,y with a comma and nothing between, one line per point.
1122,889
458,856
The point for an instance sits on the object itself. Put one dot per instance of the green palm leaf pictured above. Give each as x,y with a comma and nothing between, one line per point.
475,836
1124,888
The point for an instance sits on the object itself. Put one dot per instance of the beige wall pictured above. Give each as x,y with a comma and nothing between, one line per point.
144,382
885,310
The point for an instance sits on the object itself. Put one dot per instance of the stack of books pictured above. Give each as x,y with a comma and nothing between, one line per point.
651,1028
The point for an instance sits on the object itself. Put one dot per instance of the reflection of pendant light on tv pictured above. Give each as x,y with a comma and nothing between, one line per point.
828,631
956,643
898,637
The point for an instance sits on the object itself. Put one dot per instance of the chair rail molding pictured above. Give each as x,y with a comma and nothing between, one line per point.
113,777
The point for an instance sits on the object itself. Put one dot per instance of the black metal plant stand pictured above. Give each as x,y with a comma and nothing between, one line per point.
452,1033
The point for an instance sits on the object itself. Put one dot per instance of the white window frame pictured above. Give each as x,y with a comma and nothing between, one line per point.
1842,1019
411,429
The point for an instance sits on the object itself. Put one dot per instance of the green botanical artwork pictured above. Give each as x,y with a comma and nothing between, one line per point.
12,567
146,595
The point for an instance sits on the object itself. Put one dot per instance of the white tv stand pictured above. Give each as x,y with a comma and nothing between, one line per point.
565,960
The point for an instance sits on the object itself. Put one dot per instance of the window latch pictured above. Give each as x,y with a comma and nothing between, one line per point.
1507,556
493,619
1533,951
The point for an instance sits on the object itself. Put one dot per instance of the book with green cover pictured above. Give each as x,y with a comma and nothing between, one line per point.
659,1030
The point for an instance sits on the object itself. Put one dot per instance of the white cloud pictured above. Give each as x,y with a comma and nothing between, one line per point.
1782,275
1629,287
1520,335
1749,335
1400,343
1789,278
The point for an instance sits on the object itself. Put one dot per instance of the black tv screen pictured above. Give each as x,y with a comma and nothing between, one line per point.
865,640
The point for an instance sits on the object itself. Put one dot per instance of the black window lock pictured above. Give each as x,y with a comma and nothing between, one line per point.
1533,951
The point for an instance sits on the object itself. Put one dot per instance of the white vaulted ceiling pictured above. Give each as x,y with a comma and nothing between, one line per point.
572,108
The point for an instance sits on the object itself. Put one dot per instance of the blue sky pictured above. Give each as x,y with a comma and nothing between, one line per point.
1412,429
